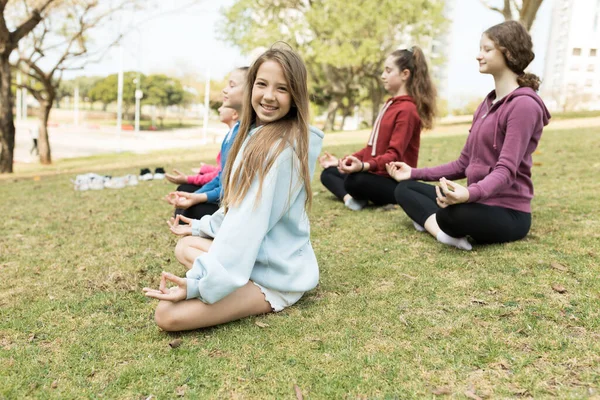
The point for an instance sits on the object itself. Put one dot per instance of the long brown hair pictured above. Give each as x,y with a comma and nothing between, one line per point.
419,86
514,42
265,146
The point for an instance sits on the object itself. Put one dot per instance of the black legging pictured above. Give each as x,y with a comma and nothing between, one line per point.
361,185
484,224
196,211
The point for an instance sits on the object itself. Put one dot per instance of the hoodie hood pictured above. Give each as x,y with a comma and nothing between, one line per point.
499,106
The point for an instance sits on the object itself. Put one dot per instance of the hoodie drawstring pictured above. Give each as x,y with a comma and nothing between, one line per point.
375,132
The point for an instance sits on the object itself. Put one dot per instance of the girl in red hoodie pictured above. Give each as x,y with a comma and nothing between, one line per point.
362,177
495,206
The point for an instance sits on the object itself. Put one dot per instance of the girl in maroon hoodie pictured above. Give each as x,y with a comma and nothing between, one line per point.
495,206
362,176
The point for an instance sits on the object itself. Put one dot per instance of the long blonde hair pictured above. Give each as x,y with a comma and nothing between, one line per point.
264,147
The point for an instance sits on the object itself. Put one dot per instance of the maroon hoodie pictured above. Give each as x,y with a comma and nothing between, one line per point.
396,136
496,159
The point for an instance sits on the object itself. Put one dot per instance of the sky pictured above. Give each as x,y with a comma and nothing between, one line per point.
179,41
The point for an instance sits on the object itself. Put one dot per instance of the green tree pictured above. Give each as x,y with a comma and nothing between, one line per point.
67,88
163,91
105,90
343,43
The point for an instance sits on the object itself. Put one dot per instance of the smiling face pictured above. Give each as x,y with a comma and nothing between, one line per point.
234,90
491,61
271,99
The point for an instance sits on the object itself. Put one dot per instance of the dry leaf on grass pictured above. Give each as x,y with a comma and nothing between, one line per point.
470,394
180,390
479,301
559,267
408,276
261,324
441,391
559,288
175,343
298,391
54,385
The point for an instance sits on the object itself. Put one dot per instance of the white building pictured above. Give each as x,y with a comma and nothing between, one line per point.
572,72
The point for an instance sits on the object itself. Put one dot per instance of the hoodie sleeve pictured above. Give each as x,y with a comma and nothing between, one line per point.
212,189
202,179
208,226
523,118
229,263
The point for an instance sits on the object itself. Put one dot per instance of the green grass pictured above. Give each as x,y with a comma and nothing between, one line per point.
396,314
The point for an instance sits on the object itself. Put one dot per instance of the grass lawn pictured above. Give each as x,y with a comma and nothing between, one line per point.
396,314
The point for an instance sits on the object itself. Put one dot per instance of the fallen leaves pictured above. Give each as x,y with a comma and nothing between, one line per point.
54,384
261,324
180,390
479,301
298,392
559,288
559,267
442,391
175,343
470,394
409,276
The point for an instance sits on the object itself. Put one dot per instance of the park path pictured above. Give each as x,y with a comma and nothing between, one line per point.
69,141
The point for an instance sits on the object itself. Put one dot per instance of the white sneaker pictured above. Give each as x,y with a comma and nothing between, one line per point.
81,183
146,175
159,173
97,183
131,180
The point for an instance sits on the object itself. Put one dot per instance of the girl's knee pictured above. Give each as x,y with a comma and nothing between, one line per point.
166,318
180,247
401,191
326,175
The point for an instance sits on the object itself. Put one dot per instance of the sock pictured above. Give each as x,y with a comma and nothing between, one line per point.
418,227
355,205
461,243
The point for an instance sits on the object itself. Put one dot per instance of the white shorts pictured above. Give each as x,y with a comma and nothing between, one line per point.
277,299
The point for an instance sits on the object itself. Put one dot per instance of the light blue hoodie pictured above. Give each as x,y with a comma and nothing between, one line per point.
267,242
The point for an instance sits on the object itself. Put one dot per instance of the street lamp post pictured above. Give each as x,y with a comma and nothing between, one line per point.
138,97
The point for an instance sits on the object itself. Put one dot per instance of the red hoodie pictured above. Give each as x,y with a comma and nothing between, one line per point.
396,136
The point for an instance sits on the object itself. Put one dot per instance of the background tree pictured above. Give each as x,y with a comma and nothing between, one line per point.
105,89
66,90
11,33
163,91
525,10
343,43
59,43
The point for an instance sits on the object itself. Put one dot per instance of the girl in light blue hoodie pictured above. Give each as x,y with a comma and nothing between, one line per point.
254,254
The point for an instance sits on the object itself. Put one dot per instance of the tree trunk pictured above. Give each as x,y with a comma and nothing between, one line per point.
43,142
7,126
330,119
529,11
376,100
343,121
